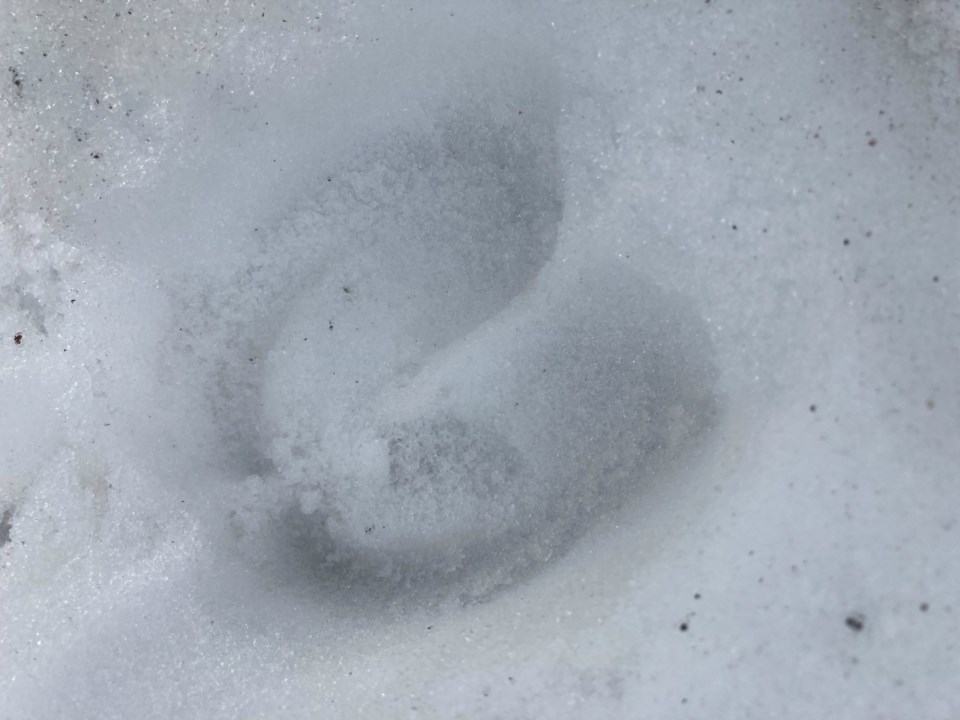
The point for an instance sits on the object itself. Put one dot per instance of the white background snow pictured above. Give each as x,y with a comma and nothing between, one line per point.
492,359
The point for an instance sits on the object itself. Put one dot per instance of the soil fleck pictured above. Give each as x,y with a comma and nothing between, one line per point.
855,621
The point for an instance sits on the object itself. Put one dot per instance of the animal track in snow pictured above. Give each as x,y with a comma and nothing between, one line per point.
431,396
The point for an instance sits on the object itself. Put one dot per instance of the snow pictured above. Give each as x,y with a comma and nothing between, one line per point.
479,360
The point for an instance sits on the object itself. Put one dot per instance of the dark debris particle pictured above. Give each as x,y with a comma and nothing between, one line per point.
5,526
846,241
347,290
18,338
684,627
813,408
855,622
936,278
696,596
924,607
872,142
95,155
930,404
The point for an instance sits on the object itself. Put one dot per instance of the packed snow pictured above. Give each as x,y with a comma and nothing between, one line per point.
479,359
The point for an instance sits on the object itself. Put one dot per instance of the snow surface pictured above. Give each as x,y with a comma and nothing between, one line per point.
447,359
